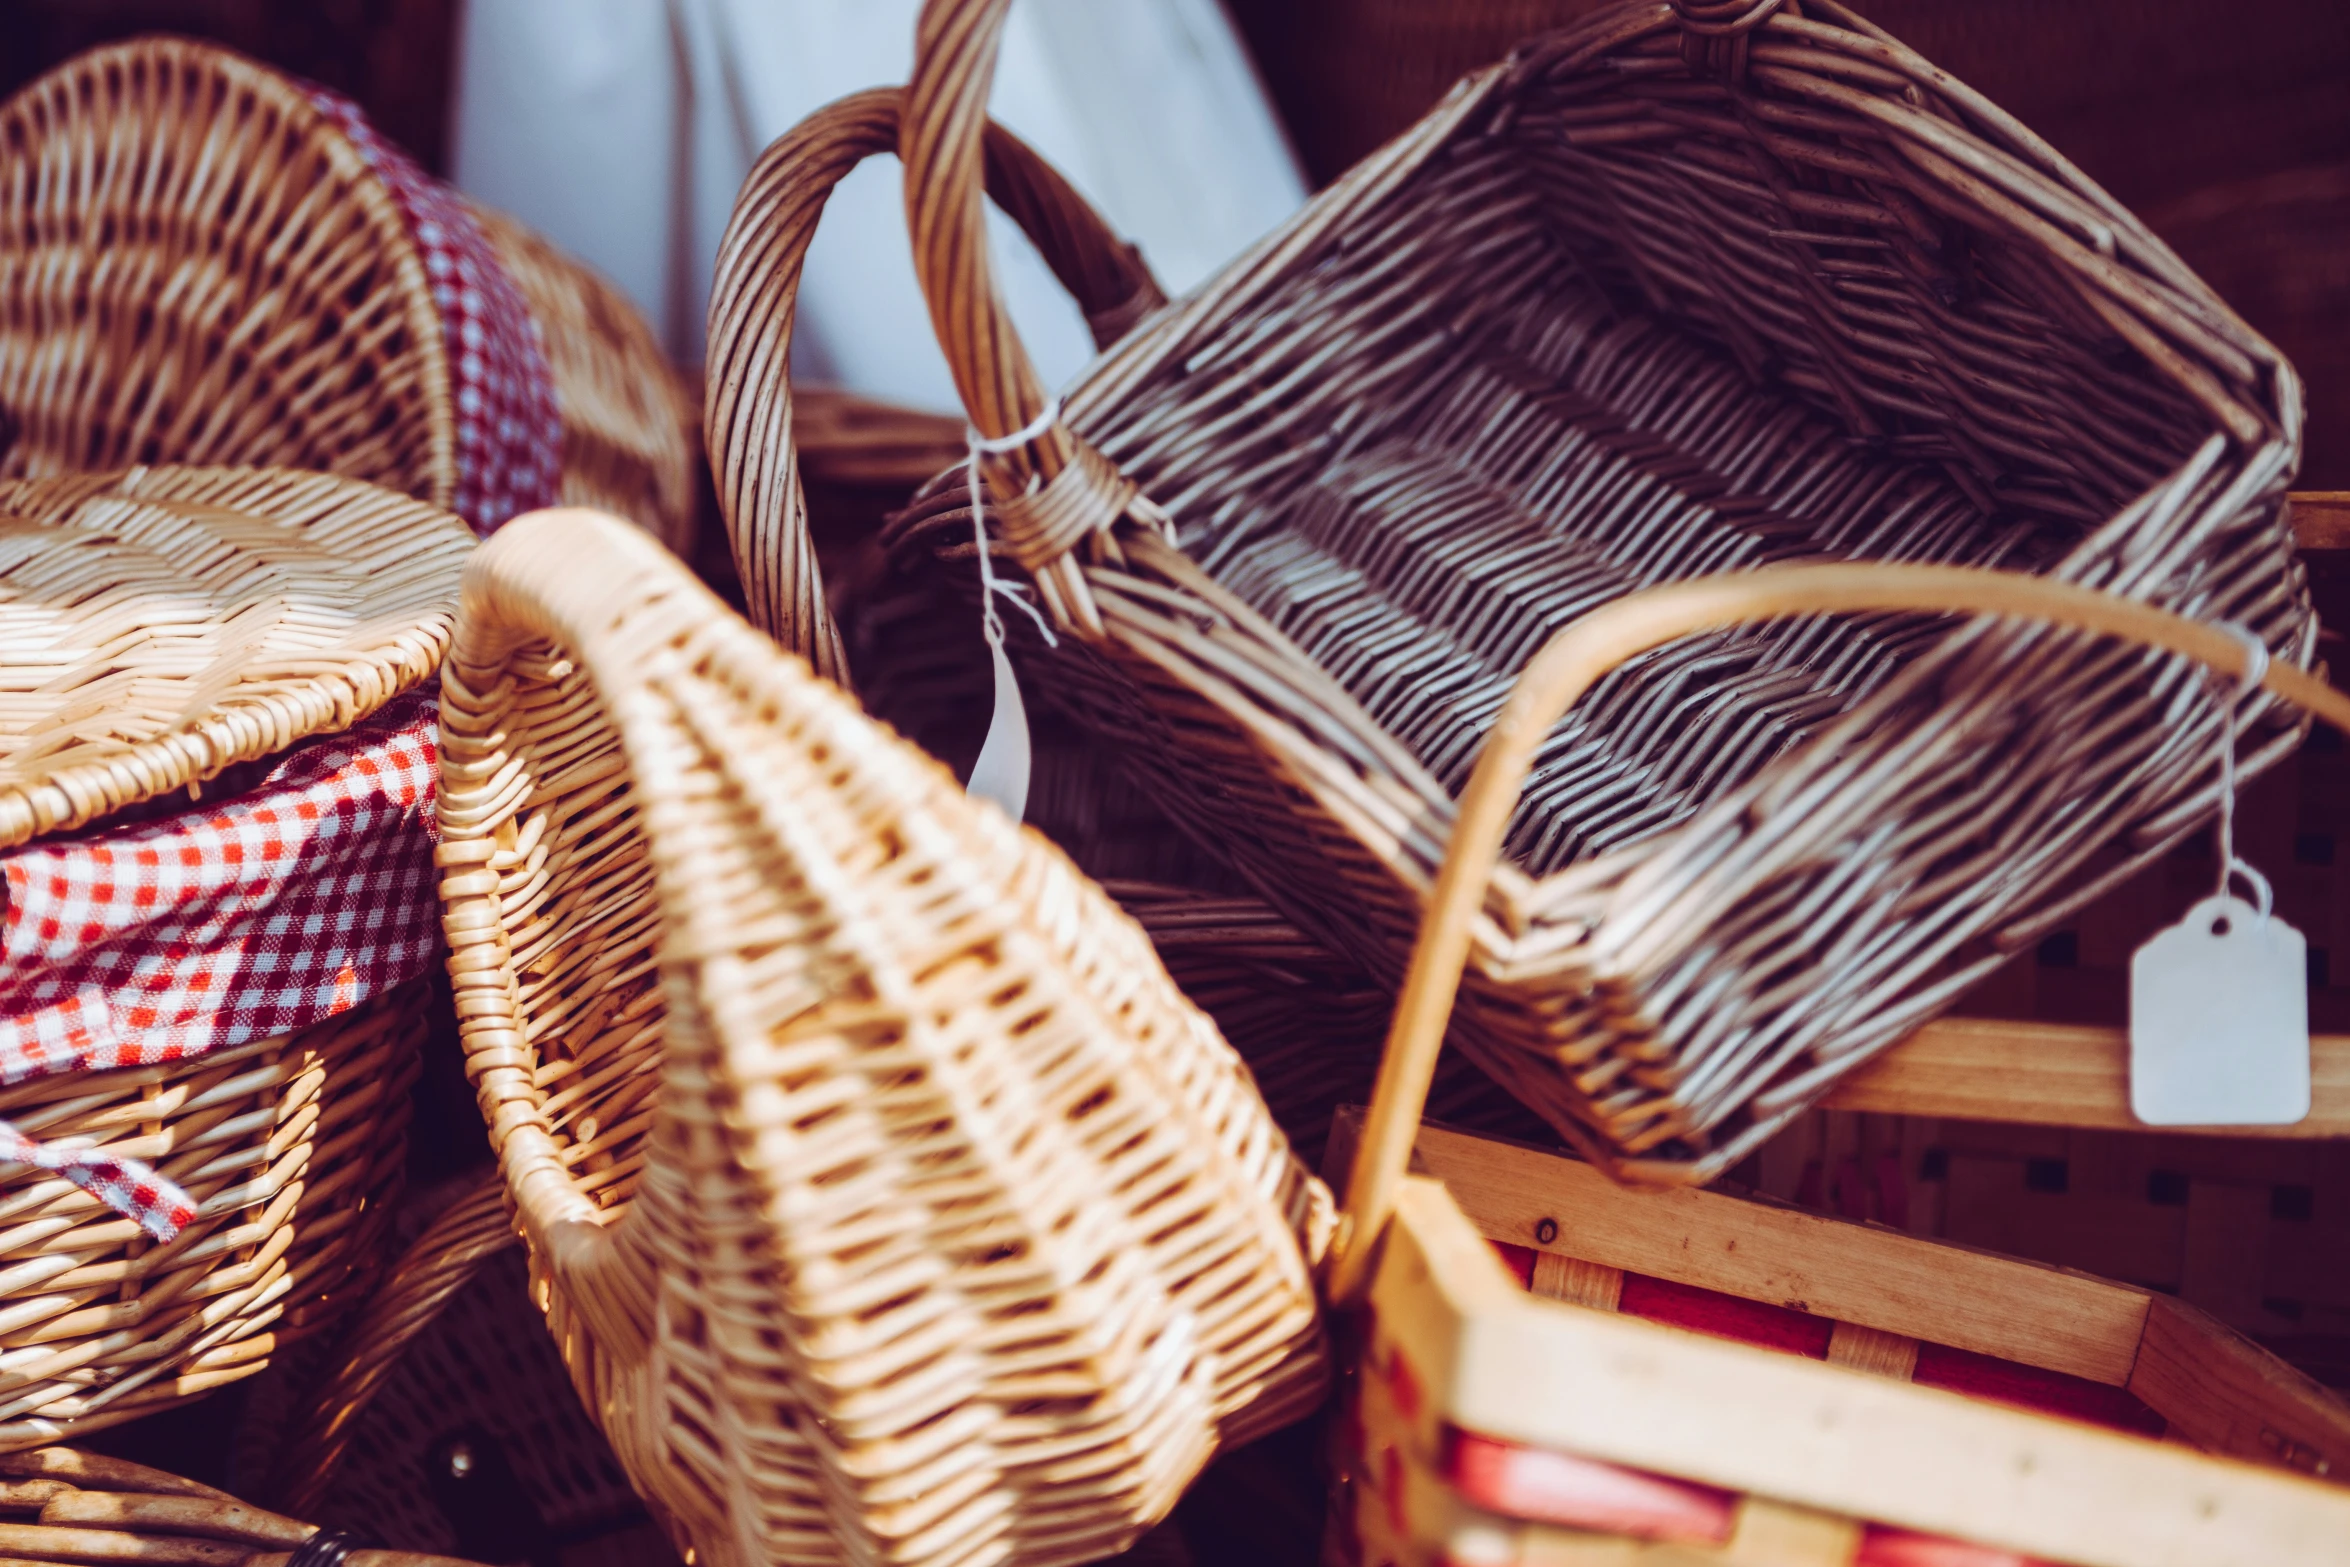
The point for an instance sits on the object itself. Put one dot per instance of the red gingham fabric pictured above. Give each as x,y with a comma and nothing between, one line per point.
509,431
124,1185
259,915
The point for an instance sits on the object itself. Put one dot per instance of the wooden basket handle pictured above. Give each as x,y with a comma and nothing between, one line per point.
605,593
1568,666
1052,491
747,406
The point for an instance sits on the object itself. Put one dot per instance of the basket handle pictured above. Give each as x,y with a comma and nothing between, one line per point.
1568,666
604,592
1051,491
747,405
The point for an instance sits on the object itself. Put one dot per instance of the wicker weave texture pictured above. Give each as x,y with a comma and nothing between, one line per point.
166,623
293,1149
1661,297
65,1506
197,266
955,1232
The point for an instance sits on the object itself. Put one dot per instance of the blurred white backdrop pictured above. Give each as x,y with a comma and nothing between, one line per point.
622,128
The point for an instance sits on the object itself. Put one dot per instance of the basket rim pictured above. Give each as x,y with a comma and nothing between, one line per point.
242,724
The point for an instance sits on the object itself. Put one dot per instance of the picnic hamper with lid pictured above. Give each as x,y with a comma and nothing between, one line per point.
1487,1426
216,772
1674,291
59,1504
203,260
887,1201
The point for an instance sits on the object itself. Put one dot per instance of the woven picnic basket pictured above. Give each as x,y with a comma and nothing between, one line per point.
215,779
887,1201
62,1505
1676,291
203,260
1488,1426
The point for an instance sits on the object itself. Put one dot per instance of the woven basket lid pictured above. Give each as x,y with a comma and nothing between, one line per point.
203,260
160,624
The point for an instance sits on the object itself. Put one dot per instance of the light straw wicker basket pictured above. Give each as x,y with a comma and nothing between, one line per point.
65,1506
167,624
1674,292
198,264
1494,1427
888,1202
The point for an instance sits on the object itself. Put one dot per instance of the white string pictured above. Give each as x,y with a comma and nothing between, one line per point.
2255,671
991,624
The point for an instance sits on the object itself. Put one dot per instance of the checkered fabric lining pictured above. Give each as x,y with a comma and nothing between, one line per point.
509,430
266,913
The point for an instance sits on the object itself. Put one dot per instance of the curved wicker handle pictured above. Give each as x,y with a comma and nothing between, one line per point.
1570,665
747,404
1053,491
604,592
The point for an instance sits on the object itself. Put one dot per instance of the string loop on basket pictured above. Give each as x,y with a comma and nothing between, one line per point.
991,624
2256,660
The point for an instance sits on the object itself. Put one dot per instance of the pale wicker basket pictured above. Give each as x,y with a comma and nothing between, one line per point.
199,265
236,613
887,1200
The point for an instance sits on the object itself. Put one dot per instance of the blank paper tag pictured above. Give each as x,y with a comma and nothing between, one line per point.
1001,773
2219,1021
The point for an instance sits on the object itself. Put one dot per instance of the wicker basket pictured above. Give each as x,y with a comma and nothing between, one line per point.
1664,295
954,1231
204,261
84,1507
747,414
1494,1428
166,625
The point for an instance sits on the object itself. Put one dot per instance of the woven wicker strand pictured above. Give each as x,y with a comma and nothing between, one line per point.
1677,291
954,1233
86,1507
198,266
169,622
748,414
293,1149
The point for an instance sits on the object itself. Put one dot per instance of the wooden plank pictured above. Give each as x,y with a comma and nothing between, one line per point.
2321,519
1621,1391
2054,1074
1874,1277
2227,1396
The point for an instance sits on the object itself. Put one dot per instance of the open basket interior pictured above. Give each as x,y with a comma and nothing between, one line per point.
1625,327
1603,322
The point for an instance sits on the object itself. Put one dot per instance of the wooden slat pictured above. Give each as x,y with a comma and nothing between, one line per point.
2054,1074
2224,1395
1875,1278
2321,519
1494,1360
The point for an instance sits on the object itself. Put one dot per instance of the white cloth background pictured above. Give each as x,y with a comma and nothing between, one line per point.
622,129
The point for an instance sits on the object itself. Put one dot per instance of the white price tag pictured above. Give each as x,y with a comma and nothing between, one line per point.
2219,1020
1001,773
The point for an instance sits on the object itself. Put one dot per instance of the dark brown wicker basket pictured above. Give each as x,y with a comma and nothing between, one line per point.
1685,288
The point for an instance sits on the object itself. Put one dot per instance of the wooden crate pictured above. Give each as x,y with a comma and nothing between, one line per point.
1495,1427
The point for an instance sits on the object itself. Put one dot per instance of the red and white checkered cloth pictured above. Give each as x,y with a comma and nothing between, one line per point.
509,430
262,914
